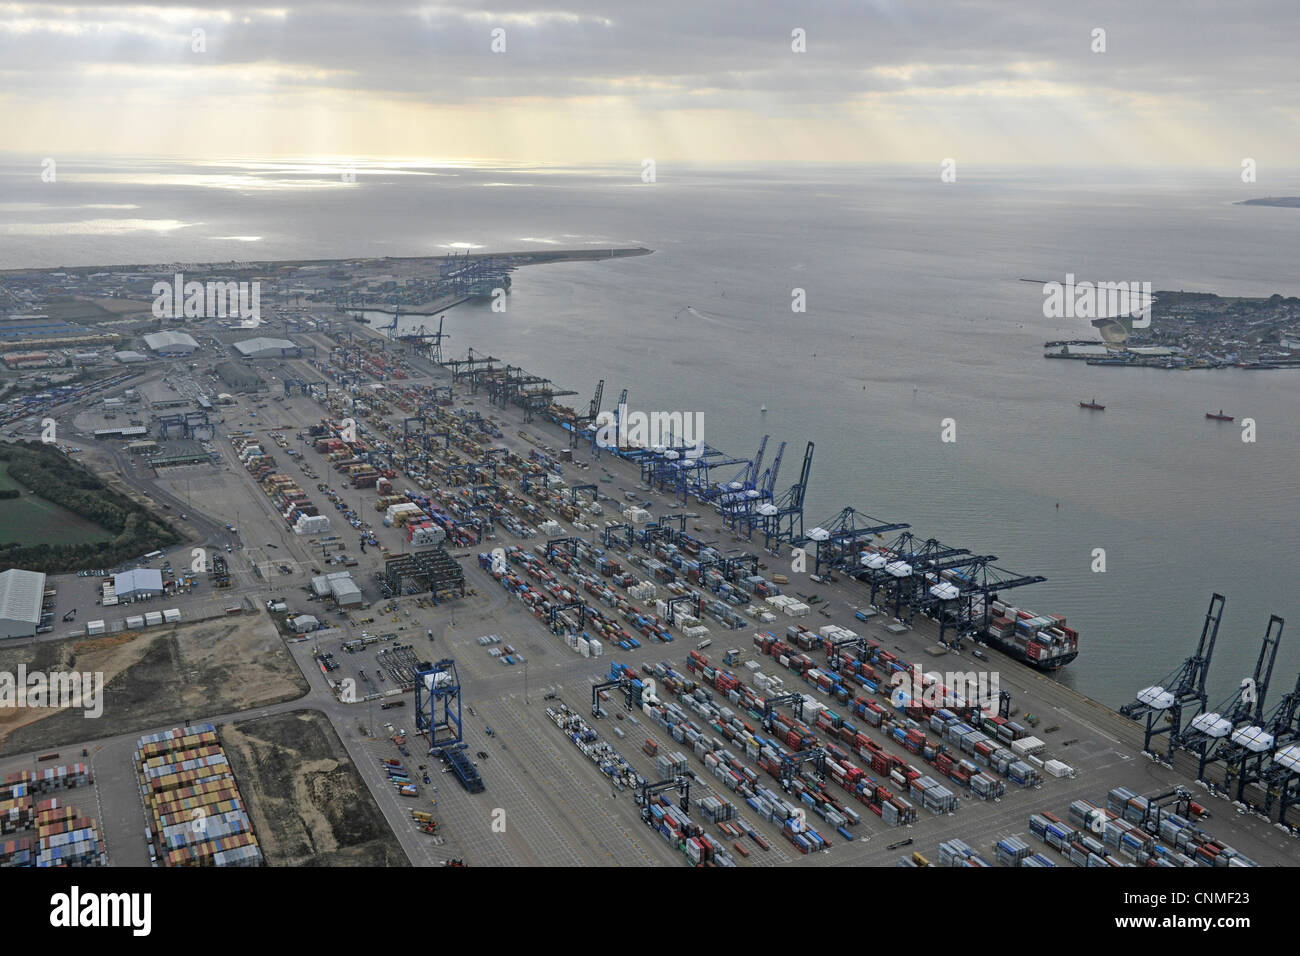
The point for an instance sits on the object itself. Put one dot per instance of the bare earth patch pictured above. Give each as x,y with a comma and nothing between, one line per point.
156,676
308,804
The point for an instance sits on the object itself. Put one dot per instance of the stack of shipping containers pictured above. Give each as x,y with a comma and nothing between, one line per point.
196,814
47,832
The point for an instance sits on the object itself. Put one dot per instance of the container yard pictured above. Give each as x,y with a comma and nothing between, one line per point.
41,823
637,683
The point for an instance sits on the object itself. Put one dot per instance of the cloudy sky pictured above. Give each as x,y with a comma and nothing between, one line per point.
1191,82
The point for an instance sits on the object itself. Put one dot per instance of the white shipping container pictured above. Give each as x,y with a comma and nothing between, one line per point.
811,709
1027,745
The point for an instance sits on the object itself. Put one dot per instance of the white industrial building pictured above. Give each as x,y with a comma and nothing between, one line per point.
170,343
340,586
129,358
137,584
21,596
260,348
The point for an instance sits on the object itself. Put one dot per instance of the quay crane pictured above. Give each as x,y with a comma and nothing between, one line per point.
835,539
1162,704
593,410
1239,716
1281,780
782,519
1244,763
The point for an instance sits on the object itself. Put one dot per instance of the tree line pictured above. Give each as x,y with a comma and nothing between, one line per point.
53,476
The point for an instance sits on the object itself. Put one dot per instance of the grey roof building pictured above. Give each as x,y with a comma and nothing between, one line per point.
21,596
170,342
265,348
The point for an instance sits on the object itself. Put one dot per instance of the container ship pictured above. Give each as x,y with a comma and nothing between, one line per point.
1039,640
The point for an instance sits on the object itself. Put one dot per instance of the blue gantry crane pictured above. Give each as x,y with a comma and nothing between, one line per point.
782,519
837,538
437,716
738,499
745,480
437,704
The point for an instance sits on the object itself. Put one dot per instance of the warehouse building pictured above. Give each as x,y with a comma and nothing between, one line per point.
28,359
340,586
261,348
124,431
161,395
21,596
129,357
137,584
170,343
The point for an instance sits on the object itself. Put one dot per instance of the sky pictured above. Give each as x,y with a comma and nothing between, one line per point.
1186,83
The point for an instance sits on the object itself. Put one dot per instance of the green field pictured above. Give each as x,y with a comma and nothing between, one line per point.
33,520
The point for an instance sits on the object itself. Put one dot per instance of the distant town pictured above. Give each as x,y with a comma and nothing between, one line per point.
1196,330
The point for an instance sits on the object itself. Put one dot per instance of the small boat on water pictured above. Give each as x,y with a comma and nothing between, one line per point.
1219,417
1093,405
762,410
